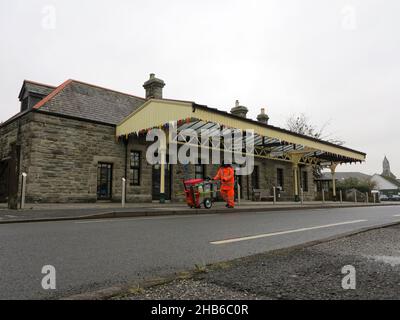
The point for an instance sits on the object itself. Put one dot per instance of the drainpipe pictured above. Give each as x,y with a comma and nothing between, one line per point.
126,142
248,186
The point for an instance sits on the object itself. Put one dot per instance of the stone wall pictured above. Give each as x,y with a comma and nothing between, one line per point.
64,154
60,156
16,132
267,179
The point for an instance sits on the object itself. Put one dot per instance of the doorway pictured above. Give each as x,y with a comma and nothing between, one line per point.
104,181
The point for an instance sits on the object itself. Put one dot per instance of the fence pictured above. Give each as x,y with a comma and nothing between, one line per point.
351,195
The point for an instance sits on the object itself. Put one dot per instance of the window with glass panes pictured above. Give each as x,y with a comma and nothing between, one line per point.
135,168
199,171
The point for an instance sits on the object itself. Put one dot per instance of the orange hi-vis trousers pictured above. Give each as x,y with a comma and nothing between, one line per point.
229,196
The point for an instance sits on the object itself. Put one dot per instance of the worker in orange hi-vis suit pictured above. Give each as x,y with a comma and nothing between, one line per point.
227,177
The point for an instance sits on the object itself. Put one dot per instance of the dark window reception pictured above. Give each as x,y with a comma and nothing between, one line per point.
255,178
279,178
304,181
135,168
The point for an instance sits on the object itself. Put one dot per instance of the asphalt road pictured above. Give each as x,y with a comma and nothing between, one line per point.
96,254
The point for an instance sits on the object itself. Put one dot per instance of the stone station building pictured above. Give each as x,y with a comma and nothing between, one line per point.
77,141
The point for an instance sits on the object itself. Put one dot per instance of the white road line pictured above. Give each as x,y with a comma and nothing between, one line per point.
146,218
265,235
396,215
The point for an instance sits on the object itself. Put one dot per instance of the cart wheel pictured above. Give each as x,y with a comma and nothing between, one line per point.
207,203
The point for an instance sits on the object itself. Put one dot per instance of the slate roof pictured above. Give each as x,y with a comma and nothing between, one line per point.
89,102
385,183
36,87
392,180
345,175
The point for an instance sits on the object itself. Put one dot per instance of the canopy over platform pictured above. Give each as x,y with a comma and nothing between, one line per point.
269,141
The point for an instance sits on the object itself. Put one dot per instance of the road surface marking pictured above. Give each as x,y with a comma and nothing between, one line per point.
146,218
396,215
265,235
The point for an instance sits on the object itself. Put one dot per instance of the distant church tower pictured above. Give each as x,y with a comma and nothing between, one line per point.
386,169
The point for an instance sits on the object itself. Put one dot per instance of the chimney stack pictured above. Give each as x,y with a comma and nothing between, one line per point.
263,117
154,87
238,110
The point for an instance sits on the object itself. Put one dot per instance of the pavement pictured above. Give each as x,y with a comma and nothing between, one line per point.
310,272
112,254
74,211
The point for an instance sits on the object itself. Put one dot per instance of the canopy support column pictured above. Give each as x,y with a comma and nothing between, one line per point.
295,158
163,151
296,182
333,173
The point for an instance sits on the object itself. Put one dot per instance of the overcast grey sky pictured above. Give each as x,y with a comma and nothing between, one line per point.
334,60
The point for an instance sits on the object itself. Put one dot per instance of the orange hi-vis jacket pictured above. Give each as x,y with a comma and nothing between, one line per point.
227,177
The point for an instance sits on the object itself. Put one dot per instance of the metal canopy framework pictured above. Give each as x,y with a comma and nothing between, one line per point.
264,147
269,141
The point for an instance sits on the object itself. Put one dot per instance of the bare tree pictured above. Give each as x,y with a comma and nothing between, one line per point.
300,123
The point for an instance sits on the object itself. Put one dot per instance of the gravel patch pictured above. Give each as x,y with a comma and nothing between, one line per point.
190,289
313,272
